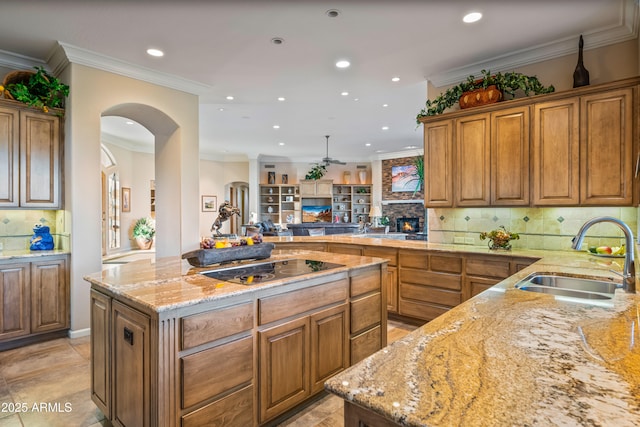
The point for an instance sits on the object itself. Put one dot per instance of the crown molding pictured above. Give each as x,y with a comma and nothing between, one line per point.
626,29
73,54
400,154
16,61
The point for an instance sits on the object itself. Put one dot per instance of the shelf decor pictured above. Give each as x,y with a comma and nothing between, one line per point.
499,238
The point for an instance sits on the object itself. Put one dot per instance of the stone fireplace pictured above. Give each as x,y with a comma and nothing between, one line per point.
408,224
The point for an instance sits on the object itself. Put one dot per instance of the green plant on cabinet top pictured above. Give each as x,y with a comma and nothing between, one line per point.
41,90
316,172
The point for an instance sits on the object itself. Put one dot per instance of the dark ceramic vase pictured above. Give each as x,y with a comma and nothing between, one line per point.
580,75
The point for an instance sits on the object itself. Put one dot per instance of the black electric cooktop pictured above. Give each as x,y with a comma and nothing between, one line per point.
253,274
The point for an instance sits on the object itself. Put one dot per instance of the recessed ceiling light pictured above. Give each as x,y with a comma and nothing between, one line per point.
276,126
332,13
472,17
356,99
344,93
129,122
220,109
281,98
280,143
385,105
411,147
277,41
155,52
395,79
343,63
368,144
385,127
230,98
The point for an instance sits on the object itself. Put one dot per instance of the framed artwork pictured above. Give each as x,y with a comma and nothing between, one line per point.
126,199
285,178
272,178
209,203
404,178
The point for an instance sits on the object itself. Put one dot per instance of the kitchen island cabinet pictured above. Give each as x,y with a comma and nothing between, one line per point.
191,350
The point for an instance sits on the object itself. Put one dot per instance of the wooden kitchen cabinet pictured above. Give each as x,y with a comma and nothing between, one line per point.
606,157
100,310
34,299
15,300
316,188
391,278
472,160
438,164
31,153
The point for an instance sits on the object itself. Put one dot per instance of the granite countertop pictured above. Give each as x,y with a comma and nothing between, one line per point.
26,253
170,283
510,357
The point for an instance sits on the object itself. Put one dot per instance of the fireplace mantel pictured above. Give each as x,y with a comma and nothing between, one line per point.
398,202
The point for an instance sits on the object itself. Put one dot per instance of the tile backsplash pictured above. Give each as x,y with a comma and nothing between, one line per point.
16,228
539,228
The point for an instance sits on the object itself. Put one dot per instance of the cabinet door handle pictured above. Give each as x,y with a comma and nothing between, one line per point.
128,336
637,165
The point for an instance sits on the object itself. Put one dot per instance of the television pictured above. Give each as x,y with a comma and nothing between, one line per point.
316,213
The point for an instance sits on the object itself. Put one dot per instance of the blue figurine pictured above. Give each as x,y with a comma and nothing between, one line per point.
42,239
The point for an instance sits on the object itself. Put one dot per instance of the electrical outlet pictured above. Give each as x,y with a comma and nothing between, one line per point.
469,240
458,240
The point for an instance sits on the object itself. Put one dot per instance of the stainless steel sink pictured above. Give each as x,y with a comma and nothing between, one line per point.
567,286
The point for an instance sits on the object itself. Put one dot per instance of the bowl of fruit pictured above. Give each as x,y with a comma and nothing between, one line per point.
218,251
607,251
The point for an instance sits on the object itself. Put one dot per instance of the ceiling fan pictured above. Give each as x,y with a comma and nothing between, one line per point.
328,160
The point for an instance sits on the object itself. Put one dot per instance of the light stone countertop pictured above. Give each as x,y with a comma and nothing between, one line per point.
511,358
26,254
170,283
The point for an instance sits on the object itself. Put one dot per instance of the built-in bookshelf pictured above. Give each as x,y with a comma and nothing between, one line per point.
280,203
354,201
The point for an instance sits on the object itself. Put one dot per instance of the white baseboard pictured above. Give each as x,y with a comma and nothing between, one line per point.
80,333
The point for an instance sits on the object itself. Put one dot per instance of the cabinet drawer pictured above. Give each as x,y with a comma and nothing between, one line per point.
487,268
210,326
445,264
431,295
388,254
292,303
365,312
235,409
365,344
344,249
437,280
365,281
414,259
479,284
420,310
210,372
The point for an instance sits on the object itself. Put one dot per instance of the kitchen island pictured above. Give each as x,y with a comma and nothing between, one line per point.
174,347
508,357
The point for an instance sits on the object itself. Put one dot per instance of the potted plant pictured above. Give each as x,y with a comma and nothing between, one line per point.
508,83
317,171
418,175
38,89
143,232
499,238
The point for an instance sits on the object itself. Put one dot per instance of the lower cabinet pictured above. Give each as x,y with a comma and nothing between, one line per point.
34,298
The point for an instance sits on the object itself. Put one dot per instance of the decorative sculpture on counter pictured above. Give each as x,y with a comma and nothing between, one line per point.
580,75
225,212
42,239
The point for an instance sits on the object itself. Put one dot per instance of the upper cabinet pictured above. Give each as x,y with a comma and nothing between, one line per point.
316,187
571,148
30,152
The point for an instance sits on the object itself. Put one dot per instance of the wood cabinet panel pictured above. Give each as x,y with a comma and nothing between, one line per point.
49,295
430,294
131,367
316,188
429,278
212,325
391,280
510,157
329,345
473,162
487,267
390,254
15,292
100,357
9,157
438,164
344,249
420,310
555,151
284,364
40,160
210,372
479,284
365,281
235,409
355,416
606,128
365,344
296,302
365,312
413,259
445,264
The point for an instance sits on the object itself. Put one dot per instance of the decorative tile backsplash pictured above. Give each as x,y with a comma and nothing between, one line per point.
539,228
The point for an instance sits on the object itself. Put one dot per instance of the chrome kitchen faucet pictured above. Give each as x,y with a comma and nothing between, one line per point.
629,272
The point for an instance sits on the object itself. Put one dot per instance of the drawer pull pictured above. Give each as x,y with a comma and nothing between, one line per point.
128,336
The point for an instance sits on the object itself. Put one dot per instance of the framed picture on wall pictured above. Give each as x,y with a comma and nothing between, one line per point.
209,203
404,178
126,199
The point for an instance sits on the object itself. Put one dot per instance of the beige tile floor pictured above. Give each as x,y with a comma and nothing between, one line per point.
54,376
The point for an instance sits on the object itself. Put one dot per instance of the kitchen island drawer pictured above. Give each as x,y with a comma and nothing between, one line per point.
428,278
293,303
429,294
216,324
235,409
365,312
365,344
